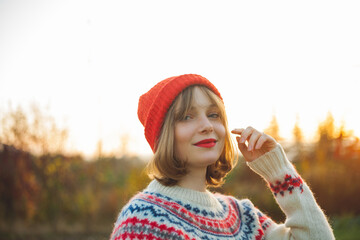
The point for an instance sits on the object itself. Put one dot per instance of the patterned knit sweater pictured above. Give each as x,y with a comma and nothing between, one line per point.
161,212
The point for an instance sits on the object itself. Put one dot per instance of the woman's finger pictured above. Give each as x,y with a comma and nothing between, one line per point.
254,137
237,130
242,146
246,133
262,139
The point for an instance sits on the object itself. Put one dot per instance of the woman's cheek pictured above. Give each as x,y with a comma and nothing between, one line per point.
220,130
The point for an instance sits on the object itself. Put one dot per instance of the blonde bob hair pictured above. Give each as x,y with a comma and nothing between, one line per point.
165,167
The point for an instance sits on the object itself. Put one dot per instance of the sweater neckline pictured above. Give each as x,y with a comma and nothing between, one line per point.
185,195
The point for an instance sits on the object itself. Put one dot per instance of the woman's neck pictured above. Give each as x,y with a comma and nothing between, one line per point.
195,180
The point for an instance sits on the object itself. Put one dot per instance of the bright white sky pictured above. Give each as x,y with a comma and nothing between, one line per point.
91,60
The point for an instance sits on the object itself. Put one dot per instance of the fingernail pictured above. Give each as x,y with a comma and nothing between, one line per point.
250,148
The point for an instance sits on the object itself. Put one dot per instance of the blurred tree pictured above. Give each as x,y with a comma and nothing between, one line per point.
18,186
326,129
34,131
326,135
340,141
273,129
124,145
14,129
99,152
298,141
297,132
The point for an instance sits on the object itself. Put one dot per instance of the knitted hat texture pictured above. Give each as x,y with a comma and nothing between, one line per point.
154,104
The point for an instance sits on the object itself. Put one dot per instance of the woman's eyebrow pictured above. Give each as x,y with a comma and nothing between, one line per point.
213,105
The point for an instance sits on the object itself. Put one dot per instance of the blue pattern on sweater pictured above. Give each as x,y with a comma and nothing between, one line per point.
245,211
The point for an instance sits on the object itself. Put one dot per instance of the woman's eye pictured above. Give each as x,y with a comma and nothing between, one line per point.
187,117
214,115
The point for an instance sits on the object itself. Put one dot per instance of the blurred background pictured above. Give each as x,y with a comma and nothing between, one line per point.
72,150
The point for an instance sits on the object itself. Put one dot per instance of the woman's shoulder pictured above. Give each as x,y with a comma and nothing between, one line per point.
147,211
244,202
136,204
145,204
244,205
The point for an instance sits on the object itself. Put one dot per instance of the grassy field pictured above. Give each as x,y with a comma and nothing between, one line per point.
346,228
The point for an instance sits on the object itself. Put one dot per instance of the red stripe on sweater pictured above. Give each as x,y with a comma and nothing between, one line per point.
175,208
153,225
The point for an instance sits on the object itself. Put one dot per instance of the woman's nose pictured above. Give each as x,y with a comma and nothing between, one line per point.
205,125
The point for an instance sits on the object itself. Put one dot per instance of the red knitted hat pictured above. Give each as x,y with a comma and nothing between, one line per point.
154,104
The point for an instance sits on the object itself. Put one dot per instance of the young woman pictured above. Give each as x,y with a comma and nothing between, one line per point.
186,126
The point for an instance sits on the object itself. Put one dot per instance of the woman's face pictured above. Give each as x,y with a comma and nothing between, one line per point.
200,136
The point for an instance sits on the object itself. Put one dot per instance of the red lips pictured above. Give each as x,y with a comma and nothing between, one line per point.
206,143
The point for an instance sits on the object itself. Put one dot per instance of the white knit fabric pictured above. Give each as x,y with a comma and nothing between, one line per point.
161,212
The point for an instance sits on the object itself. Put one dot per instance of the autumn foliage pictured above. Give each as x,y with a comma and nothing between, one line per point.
40,185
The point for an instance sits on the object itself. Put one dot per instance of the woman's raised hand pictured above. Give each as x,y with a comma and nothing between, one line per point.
258,143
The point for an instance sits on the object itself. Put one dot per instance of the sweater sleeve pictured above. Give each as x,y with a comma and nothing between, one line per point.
304,218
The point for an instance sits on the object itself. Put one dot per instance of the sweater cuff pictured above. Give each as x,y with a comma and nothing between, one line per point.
273,165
